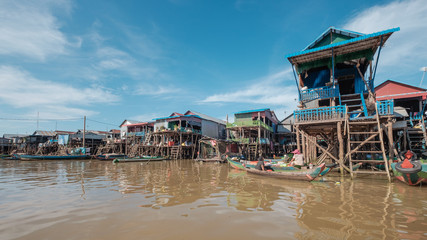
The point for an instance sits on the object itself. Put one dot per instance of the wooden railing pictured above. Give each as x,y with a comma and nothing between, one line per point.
250,123
319,93
320,114
385,107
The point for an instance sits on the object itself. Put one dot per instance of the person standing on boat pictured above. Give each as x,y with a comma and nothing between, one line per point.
297,159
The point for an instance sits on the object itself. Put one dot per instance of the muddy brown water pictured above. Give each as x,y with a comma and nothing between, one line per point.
188,200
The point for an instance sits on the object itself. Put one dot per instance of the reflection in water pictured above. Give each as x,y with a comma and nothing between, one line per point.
102,200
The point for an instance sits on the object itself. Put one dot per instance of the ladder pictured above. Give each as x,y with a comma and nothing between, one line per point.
364,136
175,152
147,139
253,151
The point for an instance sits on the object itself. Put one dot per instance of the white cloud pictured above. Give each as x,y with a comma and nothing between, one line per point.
153,90
406,48
21,90
275,89
29,28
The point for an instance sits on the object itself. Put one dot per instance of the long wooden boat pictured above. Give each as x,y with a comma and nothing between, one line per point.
302,175
51,157
110,156
140,159
411,176
293,173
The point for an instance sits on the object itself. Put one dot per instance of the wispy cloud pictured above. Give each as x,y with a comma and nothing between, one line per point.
21,90
275,89
30,29
406,48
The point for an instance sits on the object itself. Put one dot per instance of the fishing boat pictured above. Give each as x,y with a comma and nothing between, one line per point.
292,173
50,157
140,159
413,175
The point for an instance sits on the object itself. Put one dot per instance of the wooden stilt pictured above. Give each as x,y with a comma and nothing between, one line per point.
341,147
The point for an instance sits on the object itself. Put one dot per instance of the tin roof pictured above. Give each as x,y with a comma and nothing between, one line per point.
368,41
251,111
44,133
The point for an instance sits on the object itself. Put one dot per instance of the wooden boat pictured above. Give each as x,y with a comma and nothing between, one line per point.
110,156
292,173
302,175
140,159
411,176
50,157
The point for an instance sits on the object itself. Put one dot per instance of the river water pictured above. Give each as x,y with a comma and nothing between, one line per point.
189,200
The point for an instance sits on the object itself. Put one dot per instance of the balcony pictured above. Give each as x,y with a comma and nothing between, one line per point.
320,114
385,107
319,93
250,123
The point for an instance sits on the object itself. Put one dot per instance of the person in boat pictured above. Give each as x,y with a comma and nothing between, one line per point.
260,164
297,159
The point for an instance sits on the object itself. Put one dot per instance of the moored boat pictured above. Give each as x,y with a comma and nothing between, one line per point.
50,157
412,176
140,159
110,156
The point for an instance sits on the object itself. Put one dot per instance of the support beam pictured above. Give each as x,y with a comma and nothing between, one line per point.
328,153
341,147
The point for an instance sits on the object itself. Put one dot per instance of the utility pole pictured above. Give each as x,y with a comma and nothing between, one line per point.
424,69
84,130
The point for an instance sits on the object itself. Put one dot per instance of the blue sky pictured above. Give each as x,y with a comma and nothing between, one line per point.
115,60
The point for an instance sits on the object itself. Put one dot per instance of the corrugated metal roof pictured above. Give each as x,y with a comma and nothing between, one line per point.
351,45
177,117
44,133
204,116
250,111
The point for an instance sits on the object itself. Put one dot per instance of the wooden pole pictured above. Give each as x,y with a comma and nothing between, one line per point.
84,131
298,138
390,139
304,150
341,147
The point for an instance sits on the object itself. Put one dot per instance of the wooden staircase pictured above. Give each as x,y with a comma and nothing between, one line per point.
356,106
365,144
416,140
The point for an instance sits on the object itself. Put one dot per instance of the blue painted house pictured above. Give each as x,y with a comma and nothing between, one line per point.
338,110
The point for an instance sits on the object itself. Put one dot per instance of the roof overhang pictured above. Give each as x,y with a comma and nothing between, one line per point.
369,41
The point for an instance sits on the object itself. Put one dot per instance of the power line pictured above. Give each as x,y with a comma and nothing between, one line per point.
41,119
101,122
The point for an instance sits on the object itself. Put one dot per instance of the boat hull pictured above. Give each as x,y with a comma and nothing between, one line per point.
291,173
301,175
139,159
412,179
48,157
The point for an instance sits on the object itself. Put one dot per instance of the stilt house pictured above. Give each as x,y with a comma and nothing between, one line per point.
255,131
413,99
177,135
338,116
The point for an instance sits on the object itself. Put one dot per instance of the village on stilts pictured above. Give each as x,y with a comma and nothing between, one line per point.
344,123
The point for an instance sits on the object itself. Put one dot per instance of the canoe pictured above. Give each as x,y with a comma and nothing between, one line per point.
411,176
292,173
140,159
50,157
301,175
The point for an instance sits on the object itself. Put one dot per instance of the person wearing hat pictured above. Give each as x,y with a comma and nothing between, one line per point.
297,159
